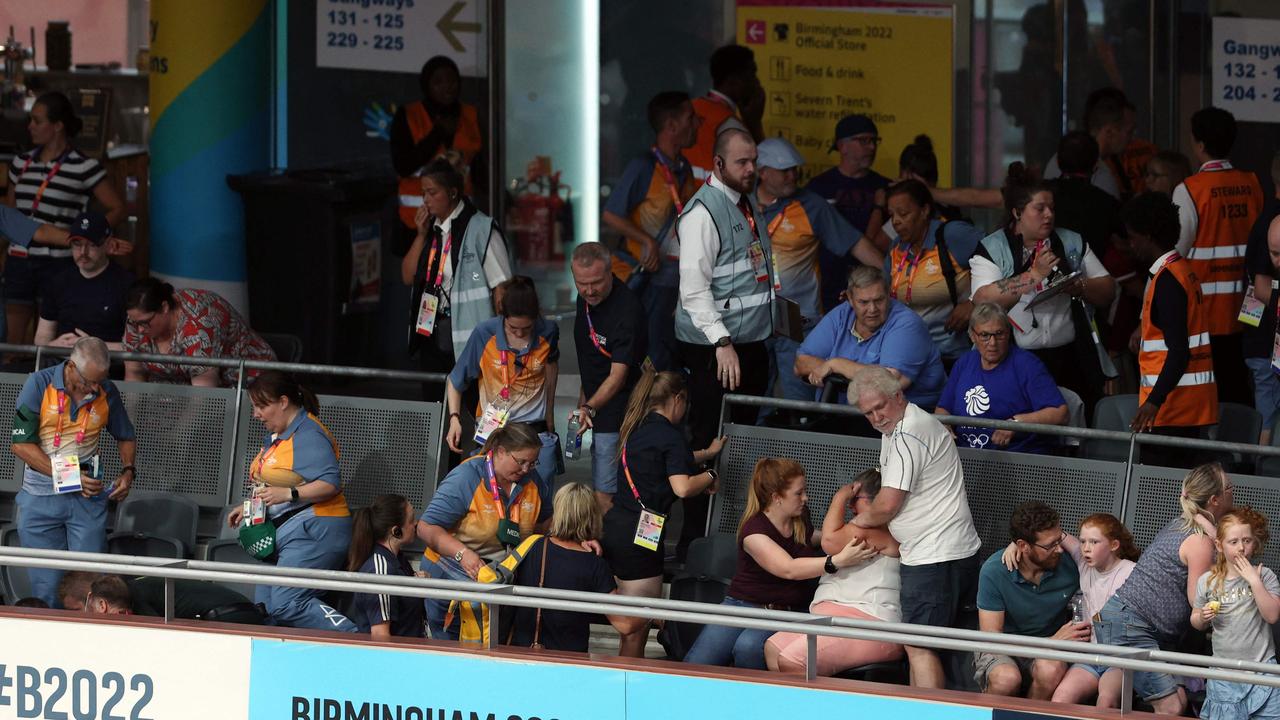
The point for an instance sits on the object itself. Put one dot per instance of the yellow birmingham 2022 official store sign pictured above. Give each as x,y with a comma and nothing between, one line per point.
821,61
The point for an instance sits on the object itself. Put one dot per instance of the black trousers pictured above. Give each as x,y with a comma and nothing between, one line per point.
1229,371
705,396
1175,456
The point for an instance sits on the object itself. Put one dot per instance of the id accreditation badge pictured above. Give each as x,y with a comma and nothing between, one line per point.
427,312
1275,353
66,473
755,251
494,417
508,532
1251,310
649,529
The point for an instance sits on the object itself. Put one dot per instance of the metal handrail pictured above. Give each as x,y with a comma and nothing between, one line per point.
1127,659
1040,429
226,362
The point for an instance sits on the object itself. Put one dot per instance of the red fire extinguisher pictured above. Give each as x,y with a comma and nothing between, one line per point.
539,217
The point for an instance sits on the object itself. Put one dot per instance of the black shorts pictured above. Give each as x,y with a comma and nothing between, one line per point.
28,279
934,594
627,560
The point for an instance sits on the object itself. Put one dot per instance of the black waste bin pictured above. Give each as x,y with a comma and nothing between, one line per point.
313,245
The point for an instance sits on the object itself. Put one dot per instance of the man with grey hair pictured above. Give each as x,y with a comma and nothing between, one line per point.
923,502
60,415
873,330
998,380
611,340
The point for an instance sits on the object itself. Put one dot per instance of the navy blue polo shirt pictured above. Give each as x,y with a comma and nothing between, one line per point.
94,305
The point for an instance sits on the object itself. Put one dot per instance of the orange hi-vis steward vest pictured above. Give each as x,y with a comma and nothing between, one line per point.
1227,202
466,142
1194,400
714,111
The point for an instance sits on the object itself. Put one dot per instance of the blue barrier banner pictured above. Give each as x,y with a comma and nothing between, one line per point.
305,681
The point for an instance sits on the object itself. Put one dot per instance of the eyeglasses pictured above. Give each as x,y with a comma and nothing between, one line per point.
142,324
1053,545
866,139
524,464
989,336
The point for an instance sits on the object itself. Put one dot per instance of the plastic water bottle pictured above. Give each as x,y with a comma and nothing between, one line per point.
1077,609
573,439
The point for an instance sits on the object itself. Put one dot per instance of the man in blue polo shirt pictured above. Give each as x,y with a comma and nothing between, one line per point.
60,415
873,329
1033,600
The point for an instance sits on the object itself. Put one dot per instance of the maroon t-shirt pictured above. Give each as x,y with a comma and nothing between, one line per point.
753,584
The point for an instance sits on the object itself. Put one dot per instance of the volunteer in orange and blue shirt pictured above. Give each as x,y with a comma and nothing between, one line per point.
1217,208
482,507
438,125
643,208
928,266
736,100
297,478
799,223
1177,392
61,413
515,360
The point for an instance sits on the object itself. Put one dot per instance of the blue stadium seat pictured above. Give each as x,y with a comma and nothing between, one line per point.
1114,412
228,550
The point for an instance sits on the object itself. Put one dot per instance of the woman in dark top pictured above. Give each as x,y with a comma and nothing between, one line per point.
661,468
564,562
779,557
380,531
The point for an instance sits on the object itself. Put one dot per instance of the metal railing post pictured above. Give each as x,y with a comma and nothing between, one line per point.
39,352
810,657
1128,472
1126,691
235,435
168,600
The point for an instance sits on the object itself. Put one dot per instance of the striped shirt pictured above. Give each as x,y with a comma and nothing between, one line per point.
67,193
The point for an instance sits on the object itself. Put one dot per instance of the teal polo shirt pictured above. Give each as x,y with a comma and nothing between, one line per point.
1031,610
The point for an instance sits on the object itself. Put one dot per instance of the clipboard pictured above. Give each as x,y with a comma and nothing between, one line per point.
1056,288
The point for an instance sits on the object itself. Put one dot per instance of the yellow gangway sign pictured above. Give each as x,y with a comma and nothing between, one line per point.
820,61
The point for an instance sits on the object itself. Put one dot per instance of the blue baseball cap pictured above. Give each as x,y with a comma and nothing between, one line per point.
778,154
91,226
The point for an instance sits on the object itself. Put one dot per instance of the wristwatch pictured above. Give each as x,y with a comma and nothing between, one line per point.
457,557
714,475
724,342
293,494
830,566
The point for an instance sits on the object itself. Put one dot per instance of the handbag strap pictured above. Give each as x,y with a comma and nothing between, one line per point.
542,576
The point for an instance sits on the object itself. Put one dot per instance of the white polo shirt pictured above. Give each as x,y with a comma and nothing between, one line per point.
934,524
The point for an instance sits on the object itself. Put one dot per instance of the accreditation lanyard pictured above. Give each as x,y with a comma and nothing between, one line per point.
493,485
774,224
53,171
627,471
508,380
444,258
910,262
669,179
595,339
62,410
263,457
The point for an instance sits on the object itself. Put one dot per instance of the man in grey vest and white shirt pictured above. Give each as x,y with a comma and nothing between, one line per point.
726,292
923,502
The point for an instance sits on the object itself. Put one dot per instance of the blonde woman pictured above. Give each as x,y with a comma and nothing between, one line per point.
564,561
655,466
1153,607
779,556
